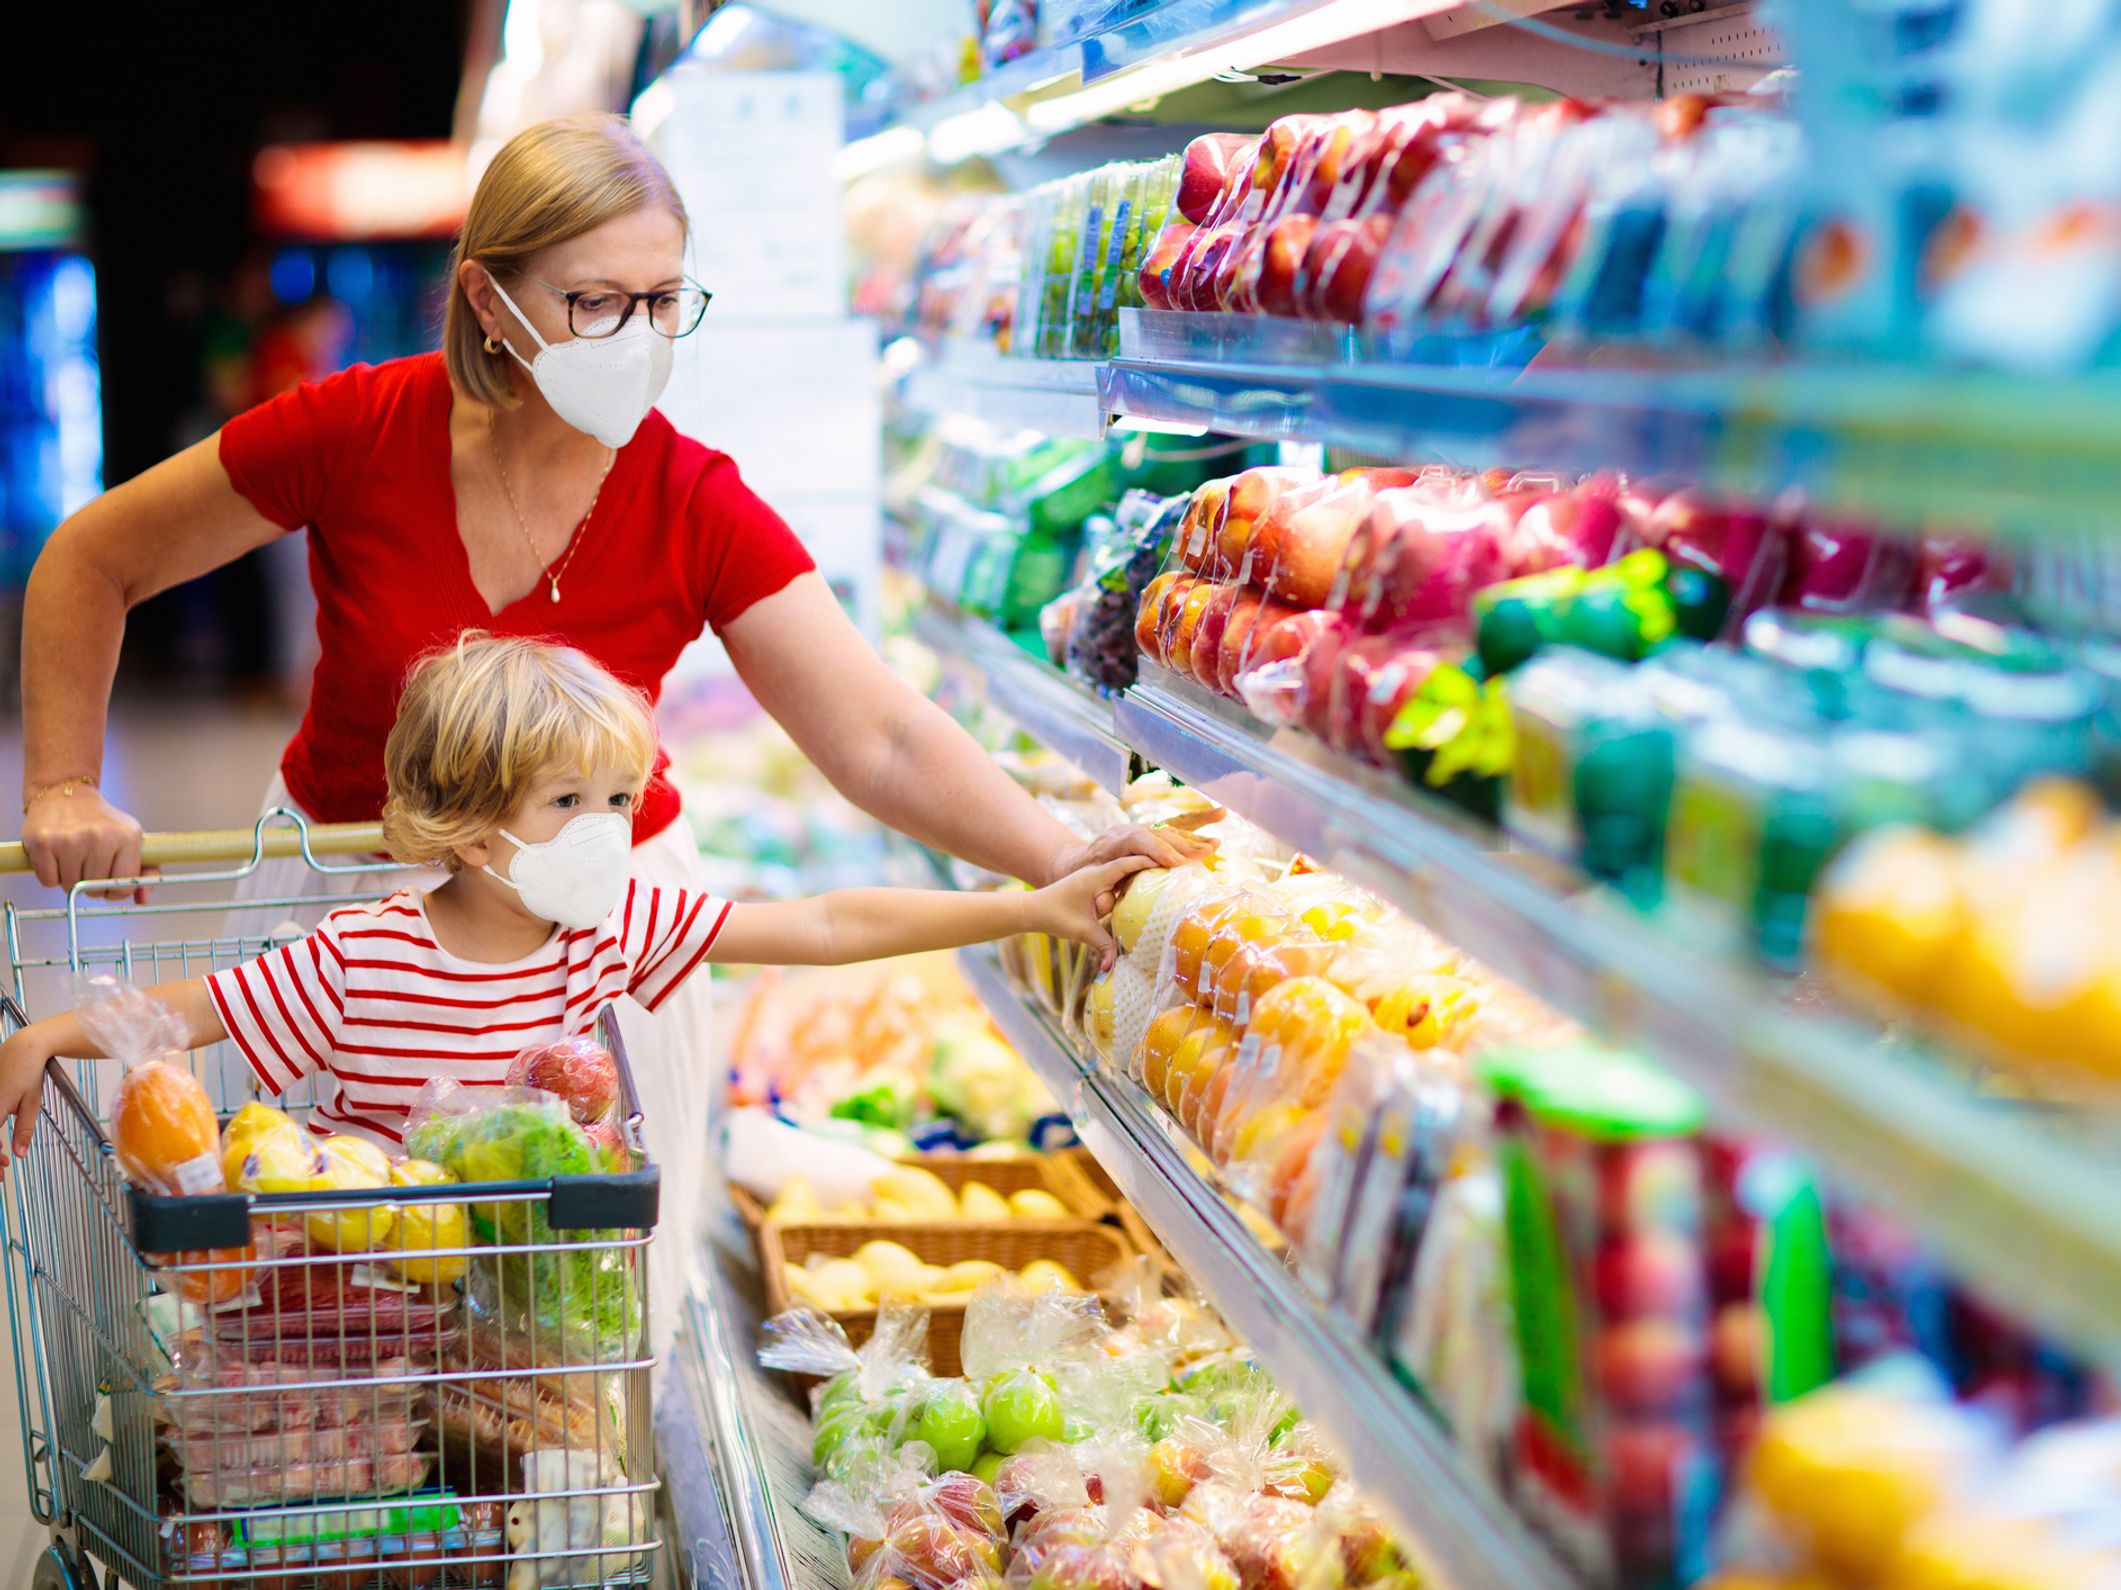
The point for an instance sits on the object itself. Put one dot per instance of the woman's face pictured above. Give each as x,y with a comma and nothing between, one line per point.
637,253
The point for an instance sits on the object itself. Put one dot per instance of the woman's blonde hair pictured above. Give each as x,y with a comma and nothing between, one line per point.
549,184
482,721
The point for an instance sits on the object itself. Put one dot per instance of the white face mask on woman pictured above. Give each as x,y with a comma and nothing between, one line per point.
578,876
602,385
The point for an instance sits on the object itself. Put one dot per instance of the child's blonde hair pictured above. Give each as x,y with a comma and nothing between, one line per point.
483,720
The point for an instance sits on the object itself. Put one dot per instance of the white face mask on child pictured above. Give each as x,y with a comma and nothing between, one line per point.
578,876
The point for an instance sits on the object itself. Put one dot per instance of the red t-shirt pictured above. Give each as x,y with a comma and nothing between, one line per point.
677,543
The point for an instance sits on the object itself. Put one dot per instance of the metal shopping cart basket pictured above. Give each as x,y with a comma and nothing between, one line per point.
417,1387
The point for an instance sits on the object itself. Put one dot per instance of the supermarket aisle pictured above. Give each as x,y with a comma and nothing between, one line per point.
174,766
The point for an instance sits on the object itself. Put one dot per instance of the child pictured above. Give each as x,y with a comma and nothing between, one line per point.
514,765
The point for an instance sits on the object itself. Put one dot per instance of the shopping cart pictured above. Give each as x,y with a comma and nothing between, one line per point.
213,1392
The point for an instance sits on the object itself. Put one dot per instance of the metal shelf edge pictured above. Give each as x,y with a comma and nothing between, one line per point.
1454,1521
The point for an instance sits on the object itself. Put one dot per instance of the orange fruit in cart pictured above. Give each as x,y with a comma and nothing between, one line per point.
226,1281
164,1132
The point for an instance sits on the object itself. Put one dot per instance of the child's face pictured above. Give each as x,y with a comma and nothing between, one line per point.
553,802
558,798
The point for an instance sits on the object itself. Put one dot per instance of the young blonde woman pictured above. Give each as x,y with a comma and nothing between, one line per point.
518,481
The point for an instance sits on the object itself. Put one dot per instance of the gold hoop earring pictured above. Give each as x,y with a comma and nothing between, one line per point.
492,346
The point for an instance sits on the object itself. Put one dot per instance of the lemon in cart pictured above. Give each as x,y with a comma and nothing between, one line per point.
351,1163
427,1232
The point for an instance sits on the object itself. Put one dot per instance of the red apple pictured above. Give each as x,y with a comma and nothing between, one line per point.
1651,1185
1649,1366
1644,1464
1214,622
1301,552
1237,640
1582,529
967,1501
1253,496
1282,262
1950,567
1184,625
1838,566
1175,1467
1729,539
1321,668
1651,1272
1732,1261
1201,523
579,1071
1158,263
1206,171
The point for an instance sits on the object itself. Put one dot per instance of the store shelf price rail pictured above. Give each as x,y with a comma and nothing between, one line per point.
1464,1534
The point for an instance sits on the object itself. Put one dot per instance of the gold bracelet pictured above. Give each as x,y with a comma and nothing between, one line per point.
65,786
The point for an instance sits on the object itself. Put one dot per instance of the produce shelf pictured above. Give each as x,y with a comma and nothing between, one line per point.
2022,1205
757,1444
1057,711
1958,450
1464,1534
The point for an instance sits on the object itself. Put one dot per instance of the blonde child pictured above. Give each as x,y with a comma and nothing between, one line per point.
514,765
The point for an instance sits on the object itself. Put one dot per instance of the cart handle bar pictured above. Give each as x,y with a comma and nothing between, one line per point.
236,844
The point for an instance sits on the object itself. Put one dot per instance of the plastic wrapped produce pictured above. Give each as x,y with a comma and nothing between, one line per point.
579,1071
1102,646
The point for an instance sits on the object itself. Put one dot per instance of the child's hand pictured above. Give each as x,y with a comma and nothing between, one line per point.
1070,909
22,1060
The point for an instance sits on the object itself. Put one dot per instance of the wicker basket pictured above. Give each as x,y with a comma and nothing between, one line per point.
1089,1189
1021,1173
1086,1249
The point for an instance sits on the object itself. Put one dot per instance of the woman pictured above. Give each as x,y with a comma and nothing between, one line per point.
519,481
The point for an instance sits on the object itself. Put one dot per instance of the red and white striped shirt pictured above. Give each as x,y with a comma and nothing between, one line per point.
373,1003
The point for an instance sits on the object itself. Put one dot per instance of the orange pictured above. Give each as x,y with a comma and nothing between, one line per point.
164,1131
1889,911
1161,1041
1203,1034
209,1287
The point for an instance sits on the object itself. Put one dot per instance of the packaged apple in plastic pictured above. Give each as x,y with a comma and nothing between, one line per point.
1154,611
1839,565
1731,539
1269,265
1252,495
1165,250
1373,677
1182,619
1205,173
1579,527
1421,553
1277,178
1950,568
1194,541
1287,677
1302,541
578,1070
1192,278
1406,145
1569,169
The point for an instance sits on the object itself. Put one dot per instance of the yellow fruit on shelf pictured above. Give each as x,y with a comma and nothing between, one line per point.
890,1262
977,1201
797,1202
351,1163
839,1286
1033,1204
926,1195
1889,911
965,1276
424,1228
1044,1275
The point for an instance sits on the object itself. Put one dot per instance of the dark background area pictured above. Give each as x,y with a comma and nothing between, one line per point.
162,108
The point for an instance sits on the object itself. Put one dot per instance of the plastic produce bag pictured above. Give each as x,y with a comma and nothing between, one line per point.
1101,644
163,1129
579,1071
578,1285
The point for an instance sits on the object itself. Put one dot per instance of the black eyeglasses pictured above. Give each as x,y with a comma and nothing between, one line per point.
602,311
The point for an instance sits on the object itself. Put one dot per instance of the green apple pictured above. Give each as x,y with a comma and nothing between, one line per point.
1158,1418
987,1465
841,1391
948,1419
1021,1407
834,1431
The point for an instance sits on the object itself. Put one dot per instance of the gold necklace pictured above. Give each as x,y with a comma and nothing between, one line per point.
552,576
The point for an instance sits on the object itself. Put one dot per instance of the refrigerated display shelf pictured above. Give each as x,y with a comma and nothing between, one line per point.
758,1445
1057,396
2023,1203
1955,450
1465,1535
1045,703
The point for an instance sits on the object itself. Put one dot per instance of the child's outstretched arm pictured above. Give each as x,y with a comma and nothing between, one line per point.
23,1056
870,924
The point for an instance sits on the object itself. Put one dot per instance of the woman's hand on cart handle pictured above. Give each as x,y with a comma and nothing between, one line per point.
1075,907
71,832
